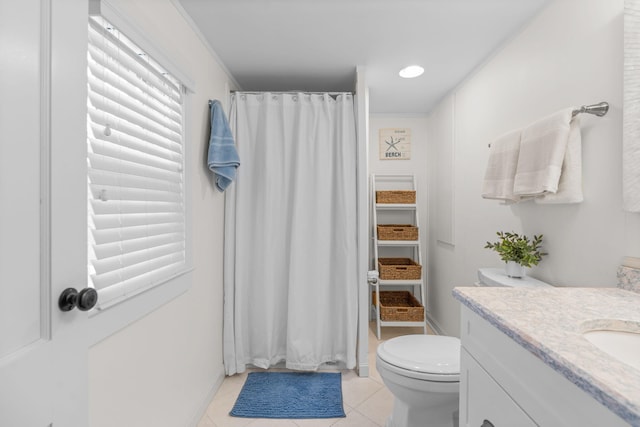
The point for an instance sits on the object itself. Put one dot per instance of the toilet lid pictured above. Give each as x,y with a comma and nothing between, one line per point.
432,354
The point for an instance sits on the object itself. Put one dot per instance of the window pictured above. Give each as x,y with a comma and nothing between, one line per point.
136,197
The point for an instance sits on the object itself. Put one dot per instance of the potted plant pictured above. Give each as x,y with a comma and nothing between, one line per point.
517,251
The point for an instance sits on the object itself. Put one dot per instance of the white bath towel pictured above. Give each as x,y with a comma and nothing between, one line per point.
501,168
570,185
543,146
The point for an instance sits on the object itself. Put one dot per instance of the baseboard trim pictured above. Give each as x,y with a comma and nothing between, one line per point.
206,400
433,325
363,370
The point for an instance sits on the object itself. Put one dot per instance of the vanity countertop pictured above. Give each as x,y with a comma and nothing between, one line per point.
549,323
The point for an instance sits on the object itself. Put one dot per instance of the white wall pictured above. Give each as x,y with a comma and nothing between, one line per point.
570,54
161,370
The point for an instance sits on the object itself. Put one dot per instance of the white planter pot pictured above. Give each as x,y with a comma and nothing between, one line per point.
515,270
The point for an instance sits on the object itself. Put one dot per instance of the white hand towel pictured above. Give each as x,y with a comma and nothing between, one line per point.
570,185
501,168
542,149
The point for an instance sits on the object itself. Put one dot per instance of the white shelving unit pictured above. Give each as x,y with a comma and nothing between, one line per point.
396,213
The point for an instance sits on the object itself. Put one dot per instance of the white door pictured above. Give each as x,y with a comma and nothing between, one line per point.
43,351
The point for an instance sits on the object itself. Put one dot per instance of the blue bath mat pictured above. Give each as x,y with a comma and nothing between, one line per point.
290,395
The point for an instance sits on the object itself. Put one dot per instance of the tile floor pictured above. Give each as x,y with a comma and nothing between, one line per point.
367,402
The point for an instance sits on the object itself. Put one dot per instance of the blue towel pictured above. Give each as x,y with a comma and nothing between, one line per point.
223,158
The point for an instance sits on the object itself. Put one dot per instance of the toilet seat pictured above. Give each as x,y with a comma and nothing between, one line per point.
425,357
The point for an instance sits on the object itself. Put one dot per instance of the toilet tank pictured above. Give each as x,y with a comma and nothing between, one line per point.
498,277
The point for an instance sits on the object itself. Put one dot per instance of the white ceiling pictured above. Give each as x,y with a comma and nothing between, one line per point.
315,45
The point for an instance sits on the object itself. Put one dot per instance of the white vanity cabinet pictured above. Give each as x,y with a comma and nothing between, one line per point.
502,384
489,405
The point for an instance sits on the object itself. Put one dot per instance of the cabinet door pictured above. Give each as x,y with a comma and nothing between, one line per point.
483,403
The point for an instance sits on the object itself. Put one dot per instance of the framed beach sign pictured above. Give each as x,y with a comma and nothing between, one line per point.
395,144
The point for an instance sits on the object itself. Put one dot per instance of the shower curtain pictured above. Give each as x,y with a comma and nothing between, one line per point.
290,285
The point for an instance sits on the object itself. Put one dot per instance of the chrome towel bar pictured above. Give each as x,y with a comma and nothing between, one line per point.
599,109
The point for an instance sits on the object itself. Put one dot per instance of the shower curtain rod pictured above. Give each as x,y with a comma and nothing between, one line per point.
250,92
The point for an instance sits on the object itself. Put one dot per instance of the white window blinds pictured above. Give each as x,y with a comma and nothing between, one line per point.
136,206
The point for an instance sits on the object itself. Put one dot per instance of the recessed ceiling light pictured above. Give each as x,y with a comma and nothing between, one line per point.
411,71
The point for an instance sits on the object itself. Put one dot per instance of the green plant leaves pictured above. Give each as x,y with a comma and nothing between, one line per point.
513,247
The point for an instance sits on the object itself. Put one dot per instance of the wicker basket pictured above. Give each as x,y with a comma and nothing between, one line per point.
396,196
397,232
399,306
399,269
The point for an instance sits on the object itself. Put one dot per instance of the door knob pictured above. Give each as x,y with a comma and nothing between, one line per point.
85,300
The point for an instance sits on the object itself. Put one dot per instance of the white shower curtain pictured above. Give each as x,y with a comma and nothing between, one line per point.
290,285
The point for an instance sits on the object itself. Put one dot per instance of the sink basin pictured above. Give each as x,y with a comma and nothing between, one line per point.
622,344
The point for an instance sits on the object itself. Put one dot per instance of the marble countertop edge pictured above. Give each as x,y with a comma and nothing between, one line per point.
603,393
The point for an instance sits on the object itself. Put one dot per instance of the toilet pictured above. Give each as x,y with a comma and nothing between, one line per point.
423,374
498,277
423,371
